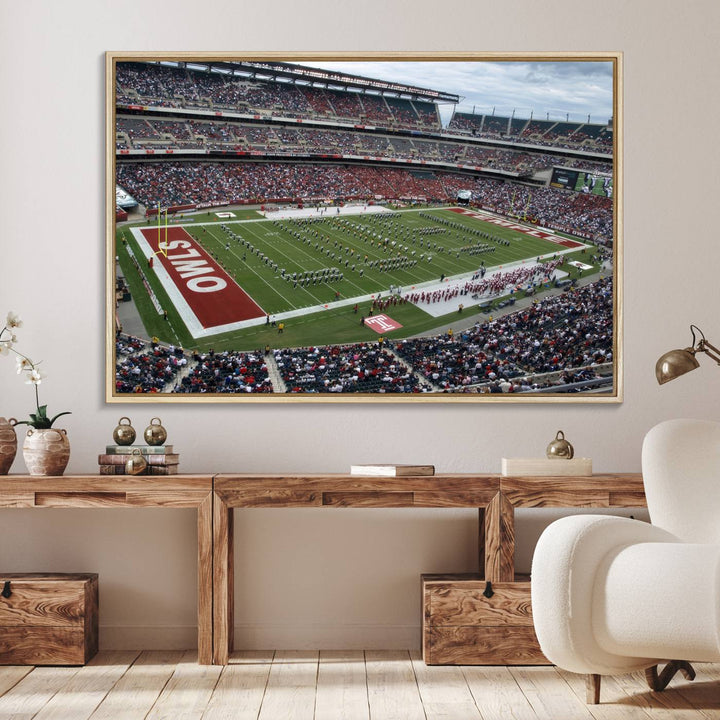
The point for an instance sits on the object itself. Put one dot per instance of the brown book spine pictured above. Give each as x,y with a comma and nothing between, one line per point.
414,470
149,470
112,469
170,459
162,470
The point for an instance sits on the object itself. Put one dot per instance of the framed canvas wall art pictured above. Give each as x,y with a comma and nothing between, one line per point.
373,228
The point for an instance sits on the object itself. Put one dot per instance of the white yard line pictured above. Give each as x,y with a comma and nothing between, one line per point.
295,263
247,265
290,260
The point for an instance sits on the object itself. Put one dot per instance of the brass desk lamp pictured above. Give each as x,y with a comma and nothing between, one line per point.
677,362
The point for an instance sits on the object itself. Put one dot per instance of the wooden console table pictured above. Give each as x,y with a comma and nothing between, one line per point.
495,497
215,498
126,491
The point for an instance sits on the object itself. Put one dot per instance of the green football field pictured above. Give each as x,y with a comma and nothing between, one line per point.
287,265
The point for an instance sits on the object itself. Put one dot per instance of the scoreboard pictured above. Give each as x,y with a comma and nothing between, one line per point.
564,178
582,181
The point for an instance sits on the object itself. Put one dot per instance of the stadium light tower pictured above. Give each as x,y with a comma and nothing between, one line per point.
678,362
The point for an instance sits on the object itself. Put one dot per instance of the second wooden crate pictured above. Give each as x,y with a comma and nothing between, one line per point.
467,622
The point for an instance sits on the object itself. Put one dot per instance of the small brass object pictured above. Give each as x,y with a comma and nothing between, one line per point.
155,433
124,433
560,448
136,463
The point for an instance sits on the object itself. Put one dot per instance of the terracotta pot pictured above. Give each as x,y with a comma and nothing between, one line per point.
8,444
46,452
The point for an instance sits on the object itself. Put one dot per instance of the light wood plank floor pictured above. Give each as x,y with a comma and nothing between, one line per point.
350,685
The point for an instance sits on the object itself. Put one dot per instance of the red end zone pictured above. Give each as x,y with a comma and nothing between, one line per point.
212,295
520,228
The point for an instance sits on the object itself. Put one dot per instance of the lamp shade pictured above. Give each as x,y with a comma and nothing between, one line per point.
675,363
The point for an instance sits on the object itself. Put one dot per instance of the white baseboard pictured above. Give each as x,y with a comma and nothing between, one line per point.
266,637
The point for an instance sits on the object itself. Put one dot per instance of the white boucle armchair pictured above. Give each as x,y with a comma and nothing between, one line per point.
613,595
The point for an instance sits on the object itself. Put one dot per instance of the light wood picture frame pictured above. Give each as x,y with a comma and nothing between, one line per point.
366,227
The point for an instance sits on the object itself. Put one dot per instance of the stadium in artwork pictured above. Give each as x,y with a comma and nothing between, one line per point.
299,228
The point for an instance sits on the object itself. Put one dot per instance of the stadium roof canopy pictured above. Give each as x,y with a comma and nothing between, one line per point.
304,75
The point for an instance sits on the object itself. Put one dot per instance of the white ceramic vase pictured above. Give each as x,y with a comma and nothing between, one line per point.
46,451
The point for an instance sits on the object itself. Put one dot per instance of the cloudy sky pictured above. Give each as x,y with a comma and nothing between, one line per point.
577,89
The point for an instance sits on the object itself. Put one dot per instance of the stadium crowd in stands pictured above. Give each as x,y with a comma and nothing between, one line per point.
214,135
364,367
159,86
551,133
145,368
561,333
226,372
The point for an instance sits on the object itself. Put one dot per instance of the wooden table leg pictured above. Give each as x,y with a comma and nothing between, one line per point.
499,519
205,580
223,581
481,541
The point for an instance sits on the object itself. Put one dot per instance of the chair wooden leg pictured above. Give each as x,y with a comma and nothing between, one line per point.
659,682
592,689
656,681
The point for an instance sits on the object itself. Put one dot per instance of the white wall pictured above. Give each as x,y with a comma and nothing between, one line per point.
335,578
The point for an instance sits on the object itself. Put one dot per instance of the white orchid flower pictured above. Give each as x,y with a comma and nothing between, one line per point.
29,370
23,364
13,320
35,377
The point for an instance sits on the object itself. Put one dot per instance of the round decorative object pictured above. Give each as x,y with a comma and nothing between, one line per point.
136,463
560,448
155,433
124,433
8,444
46,451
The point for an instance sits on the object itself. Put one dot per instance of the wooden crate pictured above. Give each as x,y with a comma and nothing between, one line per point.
461,626
48,618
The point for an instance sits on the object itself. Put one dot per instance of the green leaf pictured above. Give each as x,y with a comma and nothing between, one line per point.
67,412
37,423
40,420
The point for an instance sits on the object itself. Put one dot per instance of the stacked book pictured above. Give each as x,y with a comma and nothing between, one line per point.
160,459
